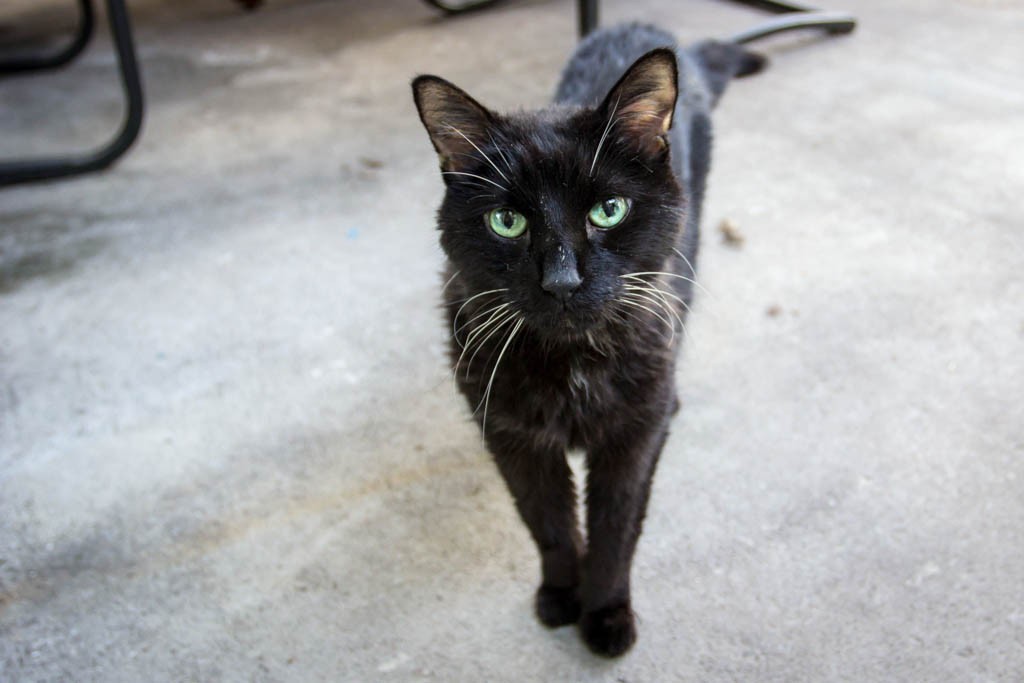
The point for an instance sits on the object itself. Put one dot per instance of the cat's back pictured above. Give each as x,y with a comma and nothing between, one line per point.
602,58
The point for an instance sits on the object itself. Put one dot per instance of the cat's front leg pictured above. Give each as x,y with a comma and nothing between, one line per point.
620,470
541,485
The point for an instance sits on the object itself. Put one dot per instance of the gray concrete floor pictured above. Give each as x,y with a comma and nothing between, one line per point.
229,449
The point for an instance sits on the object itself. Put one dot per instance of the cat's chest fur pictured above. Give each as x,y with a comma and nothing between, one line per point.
565,396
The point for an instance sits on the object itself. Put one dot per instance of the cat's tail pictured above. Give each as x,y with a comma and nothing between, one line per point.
721,61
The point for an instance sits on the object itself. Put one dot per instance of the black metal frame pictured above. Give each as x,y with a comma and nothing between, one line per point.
833,23
805,17
795,16
86,24
30,170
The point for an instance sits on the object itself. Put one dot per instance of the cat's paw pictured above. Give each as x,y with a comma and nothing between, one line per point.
557,606
609,631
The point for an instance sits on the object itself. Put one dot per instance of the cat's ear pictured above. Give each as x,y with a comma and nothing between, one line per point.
457,124
640,106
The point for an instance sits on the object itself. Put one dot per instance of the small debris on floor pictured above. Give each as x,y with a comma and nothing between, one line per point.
369,162
731,234
773,311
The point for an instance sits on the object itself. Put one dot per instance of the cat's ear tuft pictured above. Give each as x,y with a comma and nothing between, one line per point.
456,123
641,105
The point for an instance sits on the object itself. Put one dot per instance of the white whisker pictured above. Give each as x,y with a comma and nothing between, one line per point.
487,392
666,306
479,345
634,304
486,311
471,183
473,175
494,316
636,298
627,312
449,281
504,321
657,290
608,126
661,292
455,320
675,275
500,153
693,271
493,165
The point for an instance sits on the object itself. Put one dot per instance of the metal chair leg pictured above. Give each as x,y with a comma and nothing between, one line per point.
86,24
834,23
795,16
23,171
588,17
777,6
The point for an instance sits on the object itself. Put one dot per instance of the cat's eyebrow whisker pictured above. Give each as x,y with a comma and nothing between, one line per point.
500,153
482,153
600,144
487,392
470,183
480,177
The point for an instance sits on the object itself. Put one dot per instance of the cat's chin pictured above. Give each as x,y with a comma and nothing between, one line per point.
567,327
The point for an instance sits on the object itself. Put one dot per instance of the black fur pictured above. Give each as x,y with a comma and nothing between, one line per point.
590,372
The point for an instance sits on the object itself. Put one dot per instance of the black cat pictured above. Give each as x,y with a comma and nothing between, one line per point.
571,235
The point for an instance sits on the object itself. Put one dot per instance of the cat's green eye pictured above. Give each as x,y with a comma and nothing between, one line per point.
609,212
506,222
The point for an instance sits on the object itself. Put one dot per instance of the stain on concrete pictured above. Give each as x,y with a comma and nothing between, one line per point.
50,265
45,245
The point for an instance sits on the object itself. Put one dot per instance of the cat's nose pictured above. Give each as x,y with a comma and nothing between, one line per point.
561,276
561,284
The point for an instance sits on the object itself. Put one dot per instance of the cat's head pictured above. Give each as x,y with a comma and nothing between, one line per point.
555,209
